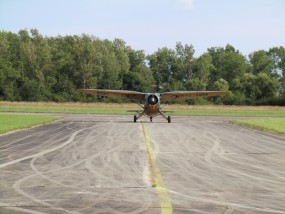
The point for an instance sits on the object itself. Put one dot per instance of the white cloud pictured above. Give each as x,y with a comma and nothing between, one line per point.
186,3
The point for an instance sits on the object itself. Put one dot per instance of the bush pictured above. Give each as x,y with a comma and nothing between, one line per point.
272,101
234,99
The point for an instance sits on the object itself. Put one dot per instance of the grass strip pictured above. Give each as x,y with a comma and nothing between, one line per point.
109,108
66,110
227,112
11,122
269,125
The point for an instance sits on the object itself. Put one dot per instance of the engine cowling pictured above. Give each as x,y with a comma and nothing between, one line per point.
152,99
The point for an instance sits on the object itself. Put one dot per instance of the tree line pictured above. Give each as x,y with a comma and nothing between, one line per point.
38,68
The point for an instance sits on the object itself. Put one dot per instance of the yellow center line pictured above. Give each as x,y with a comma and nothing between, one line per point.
165,203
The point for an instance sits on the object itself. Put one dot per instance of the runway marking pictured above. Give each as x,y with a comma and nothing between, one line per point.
165,203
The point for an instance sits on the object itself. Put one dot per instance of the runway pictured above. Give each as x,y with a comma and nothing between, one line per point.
102,164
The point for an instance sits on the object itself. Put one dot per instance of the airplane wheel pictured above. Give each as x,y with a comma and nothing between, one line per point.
169,119
150,119
135,118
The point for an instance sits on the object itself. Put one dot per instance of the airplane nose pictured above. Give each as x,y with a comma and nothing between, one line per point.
152,99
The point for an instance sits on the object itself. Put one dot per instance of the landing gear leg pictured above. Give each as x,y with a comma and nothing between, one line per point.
137,117
169,119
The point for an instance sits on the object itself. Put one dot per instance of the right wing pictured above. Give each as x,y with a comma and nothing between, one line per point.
120,94
186,95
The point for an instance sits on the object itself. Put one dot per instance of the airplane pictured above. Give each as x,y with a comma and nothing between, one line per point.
152,106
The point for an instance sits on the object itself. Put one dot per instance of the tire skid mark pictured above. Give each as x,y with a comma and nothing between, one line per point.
226,204
108,165
45,151
19,209
17,185
38,173
29,136
229,211
217,150
113,151
212,144
18,189
46,173
183,163
259,135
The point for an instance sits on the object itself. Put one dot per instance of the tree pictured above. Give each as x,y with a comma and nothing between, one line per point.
35,68
139,77
257,87
277,54
229,64
85,57
202,67
183,63
262,63
172,69
268,87
161,63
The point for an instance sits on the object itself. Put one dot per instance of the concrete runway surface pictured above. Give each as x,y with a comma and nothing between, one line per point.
101,164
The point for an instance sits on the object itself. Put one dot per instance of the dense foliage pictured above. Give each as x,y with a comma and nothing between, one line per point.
37,68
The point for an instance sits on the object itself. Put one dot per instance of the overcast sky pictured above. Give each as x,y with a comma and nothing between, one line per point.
248,25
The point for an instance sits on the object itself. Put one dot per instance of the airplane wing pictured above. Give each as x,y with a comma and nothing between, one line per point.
186,95
120,94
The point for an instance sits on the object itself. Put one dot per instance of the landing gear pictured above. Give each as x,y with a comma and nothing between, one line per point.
169,119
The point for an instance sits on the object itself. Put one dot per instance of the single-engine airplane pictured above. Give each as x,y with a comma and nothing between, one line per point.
152,106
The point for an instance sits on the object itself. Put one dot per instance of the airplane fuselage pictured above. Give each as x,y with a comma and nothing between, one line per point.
152,104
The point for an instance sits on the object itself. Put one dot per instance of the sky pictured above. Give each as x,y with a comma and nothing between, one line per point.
248,25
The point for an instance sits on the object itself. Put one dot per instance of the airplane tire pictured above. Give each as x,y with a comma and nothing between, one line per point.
135,118
169,119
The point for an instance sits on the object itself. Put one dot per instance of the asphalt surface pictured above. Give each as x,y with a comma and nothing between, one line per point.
101,164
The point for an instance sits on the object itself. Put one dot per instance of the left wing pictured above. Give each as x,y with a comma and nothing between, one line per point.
186,95
121,94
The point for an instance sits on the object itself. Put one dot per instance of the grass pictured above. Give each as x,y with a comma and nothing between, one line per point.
12,122
270,125
67,108
228,112
110,108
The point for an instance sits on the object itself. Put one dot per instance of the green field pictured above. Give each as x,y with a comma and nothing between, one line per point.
109,108
65,109
271,125
227,112
13,122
